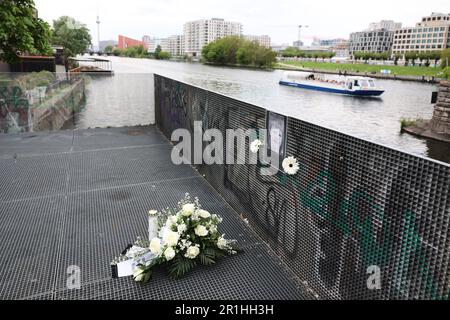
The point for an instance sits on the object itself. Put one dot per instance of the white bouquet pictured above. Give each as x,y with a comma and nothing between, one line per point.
186,237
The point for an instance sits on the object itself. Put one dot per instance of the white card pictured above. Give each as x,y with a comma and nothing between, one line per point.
125,269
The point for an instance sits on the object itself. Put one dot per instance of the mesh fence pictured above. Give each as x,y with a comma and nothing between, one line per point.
353,211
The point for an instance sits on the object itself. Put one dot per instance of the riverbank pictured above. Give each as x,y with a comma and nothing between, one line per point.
237,66
418,74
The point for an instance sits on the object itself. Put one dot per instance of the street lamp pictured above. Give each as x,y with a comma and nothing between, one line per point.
299,31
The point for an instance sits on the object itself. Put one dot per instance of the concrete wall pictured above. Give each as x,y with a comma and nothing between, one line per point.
441,116
4,67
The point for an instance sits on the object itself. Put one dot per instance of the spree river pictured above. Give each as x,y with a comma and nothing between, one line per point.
125,98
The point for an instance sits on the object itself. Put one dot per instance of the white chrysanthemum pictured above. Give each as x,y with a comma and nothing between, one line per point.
181,228
153,212
155,246
188,209
192,252
201,231
222,243
290,165
254,146
204,214
169,254
171,238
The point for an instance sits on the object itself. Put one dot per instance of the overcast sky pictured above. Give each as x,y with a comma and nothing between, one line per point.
276,18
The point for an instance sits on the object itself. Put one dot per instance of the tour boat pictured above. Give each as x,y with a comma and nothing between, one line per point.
354,86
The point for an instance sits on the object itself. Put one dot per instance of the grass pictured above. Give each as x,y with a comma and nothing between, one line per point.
404,123
361,67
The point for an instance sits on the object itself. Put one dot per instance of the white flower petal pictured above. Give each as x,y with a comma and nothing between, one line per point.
290,165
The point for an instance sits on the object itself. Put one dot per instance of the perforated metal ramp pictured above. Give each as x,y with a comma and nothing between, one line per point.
79,197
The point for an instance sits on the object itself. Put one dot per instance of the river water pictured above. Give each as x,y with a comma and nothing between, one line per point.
125,99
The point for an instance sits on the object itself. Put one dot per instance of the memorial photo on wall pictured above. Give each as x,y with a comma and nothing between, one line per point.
276,134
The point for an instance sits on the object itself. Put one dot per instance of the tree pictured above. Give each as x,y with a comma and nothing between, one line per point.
236,50
425,56
291,52
397,57
445,58
436,56
157,51
72,35
164,55
109,49
366,56
21,31
117,52
411,55
385,55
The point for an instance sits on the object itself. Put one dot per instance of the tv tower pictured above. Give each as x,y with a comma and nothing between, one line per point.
98,30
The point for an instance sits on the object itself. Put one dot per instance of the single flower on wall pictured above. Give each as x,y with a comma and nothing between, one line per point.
290,165
255,145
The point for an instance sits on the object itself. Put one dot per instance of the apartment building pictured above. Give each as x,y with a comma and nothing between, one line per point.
199,33
431,34
174,45
263,40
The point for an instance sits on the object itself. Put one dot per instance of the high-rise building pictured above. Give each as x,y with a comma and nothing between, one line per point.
146,39
298,43
341,49
373,39
106,43
431,34
331,42
152,43
199,33
263,40
174,45
384,24
278,48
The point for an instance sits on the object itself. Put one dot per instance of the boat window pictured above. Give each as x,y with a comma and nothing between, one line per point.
350,85
356,83
364,83
372,83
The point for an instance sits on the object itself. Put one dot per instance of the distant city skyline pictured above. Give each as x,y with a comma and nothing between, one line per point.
279,20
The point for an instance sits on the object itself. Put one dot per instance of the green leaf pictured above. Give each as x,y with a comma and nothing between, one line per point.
207,257
180,266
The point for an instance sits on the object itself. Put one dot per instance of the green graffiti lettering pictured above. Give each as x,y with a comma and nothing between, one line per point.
319,194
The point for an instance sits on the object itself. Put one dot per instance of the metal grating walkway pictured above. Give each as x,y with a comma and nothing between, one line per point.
79,197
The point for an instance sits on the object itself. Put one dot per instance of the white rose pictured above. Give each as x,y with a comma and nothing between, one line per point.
169,254
188,209
204,214
155,246
171,238
192,252
152,212
213,229
182,228
171,220
201,231
222,243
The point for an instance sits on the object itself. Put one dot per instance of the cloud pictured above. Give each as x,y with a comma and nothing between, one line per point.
278,19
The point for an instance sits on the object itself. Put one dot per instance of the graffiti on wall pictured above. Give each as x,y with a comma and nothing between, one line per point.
14,107
352,205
